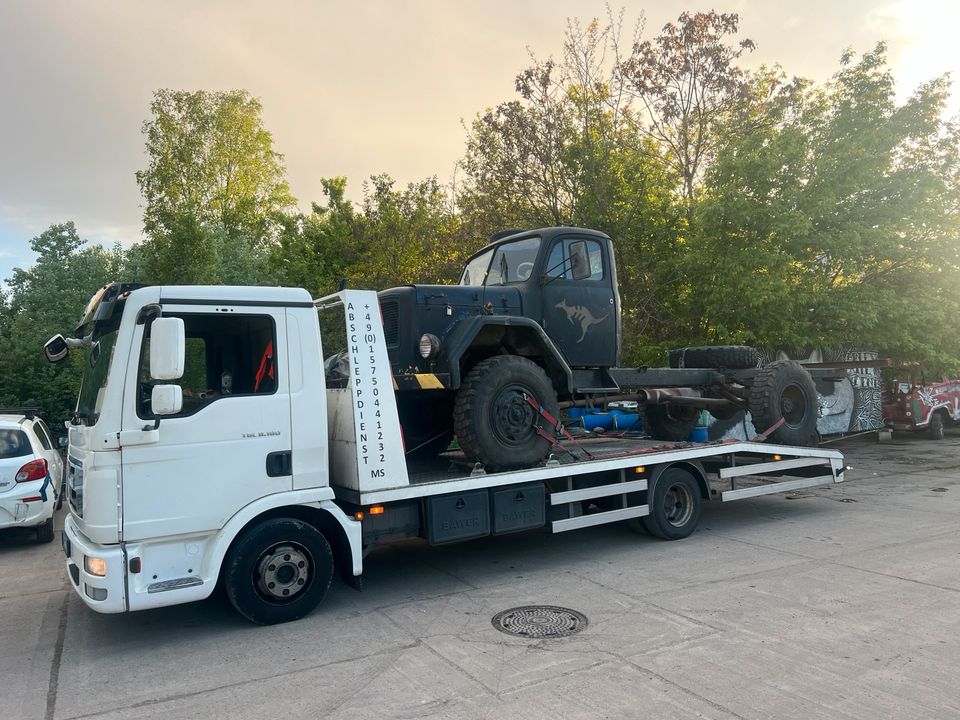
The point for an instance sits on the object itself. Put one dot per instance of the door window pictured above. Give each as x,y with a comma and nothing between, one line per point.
559,265
226,355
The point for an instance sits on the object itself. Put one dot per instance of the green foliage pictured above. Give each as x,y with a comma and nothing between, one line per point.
834,222
45,300
215,189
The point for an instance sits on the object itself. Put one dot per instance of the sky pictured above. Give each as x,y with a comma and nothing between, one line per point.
351,89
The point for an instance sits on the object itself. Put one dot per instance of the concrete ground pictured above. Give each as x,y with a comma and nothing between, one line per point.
841,602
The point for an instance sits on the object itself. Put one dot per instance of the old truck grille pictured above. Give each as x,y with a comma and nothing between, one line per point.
391,322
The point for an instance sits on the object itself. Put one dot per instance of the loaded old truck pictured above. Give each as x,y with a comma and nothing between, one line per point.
539,310
210,446
919,404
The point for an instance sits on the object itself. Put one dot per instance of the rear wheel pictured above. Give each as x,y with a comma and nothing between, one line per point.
936,427
669,421
785,389
45,532
278,571
494,423
674,505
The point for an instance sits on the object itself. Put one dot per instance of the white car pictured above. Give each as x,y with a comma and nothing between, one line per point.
31,473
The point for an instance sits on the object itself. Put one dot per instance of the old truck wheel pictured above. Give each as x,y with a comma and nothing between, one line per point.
674,505
493,422
278,571
785,389
731,357
936,426
669,421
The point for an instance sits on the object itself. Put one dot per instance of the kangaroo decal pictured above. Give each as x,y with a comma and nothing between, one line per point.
579,314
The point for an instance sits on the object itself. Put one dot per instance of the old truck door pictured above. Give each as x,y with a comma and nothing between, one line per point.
581,316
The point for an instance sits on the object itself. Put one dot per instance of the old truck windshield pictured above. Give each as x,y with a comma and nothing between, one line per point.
513,262
94,382
475,273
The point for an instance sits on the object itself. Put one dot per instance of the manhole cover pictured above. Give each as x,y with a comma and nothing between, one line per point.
539,621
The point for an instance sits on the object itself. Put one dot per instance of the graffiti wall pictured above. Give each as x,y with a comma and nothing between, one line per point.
849,400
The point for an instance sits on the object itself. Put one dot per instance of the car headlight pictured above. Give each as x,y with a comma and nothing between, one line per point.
429,345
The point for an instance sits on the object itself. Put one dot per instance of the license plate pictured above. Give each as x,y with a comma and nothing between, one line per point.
65,543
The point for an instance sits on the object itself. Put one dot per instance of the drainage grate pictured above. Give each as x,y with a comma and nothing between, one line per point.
539,621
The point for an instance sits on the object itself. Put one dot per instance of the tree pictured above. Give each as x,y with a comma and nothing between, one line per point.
687,83
215,188
835,222
46,299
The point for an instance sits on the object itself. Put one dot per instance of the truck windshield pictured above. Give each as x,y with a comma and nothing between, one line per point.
513,262
475,273
94,382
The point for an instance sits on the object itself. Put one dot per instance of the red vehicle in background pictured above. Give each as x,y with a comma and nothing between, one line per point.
908,405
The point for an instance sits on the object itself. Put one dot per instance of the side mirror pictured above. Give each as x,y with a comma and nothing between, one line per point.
579,260
62,441
55,348
166,399
167,349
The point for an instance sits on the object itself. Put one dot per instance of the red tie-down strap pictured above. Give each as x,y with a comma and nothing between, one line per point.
766,433
555,425
266,367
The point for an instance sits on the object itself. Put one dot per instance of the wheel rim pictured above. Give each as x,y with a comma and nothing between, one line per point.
677,505
513,417
283,572
793,406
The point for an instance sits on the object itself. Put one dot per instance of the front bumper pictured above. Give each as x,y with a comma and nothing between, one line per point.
14,512
105,594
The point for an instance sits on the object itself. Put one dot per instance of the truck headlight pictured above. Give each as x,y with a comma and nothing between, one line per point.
95,566
429,345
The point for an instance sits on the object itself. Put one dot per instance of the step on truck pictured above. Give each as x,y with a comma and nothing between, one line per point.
209,445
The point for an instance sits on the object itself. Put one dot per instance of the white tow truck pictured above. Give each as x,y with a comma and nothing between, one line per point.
209,445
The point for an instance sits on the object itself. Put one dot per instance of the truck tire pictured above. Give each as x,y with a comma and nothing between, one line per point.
278,571
45,532
674,504
493,422
731,357
936,426
785,389
669,421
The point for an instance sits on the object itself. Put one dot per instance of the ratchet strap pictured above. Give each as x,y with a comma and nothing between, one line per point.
766,433
555,426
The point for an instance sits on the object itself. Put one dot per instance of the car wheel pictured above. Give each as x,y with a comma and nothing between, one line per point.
45,531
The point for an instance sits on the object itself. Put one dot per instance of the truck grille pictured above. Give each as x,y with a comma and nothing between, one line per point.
391,322
75,486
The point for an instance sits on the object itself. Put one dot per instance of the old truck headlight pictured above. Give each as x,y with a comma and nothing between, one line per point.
429,345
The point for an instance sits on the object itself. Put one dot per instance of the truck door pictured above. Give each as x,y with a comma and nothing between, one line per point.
229,445
580,316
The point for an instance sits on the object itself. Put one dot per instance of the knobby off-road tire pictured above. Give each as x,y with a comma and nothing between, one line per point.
731,357
668,422
493,422
278,571
675,504
785,389
936,426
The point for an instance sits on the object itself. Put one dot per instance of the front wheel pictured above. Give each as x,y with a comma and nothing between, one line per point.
494,422
936,427
278,571
674,505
